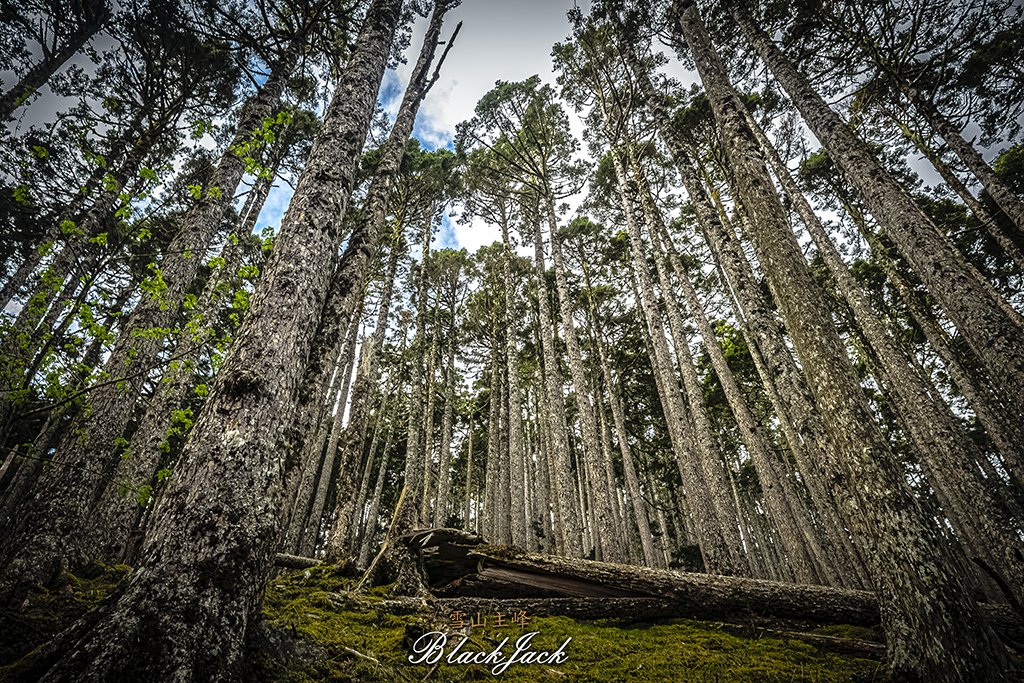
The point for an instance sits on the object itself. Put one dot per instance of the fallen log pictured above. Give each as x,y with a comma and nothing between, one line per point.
460,565
701,596
294,561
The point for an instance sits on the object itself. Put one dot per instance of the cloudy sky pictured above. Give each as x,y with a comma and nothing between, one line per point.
500,40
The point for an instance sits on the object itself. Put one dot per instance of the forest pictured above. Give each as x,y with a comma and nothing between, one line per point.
749,338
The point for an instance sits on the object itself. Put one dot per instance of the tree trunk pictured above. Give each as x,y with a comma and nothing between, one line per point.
783,504
359,406
1008,202
973,204
515,408
430,388
569,529
307,542
932,625
40,74
442,508
183,612
651,558
115,518
364,534
991,328
467,494
406,515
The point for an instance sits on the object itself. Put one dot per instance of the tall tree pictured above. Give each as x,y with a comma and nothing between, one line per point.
978,311
891,520
184,610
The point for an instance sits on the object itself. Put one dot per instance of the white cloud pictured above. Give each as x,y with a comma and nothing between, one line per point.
475,234
510,41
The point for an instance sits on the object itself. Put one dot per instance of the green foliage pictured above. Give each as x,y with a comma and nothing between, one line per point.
154,286
1009,166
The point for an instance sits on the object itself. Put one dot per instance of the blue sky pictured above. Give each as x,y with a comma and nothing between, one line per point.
499,40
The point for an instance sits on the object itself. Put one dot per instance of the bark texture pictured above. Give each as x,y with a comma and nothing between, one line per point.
184,611
932,626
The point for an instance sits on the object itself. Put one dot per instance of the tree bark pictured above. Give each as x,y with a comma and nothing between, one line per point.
48,534
933,627
184,611
570,530
992,329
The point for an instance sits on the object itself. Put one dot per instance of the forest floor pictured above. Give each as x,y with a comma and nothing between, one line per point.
316,629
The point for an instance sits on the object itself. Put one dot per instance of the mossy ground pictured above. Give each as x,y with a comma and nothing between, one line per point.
316,631
312,609
45,613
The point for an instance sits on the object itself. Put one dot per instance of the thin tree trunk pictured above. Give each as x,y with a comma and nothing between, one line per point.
442,505
428,412
467,497
406,515
329,469
515,409
370,528
973,204
490,483
1010,204
570,527
710,457
313,458
359,405
545,493
783,504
